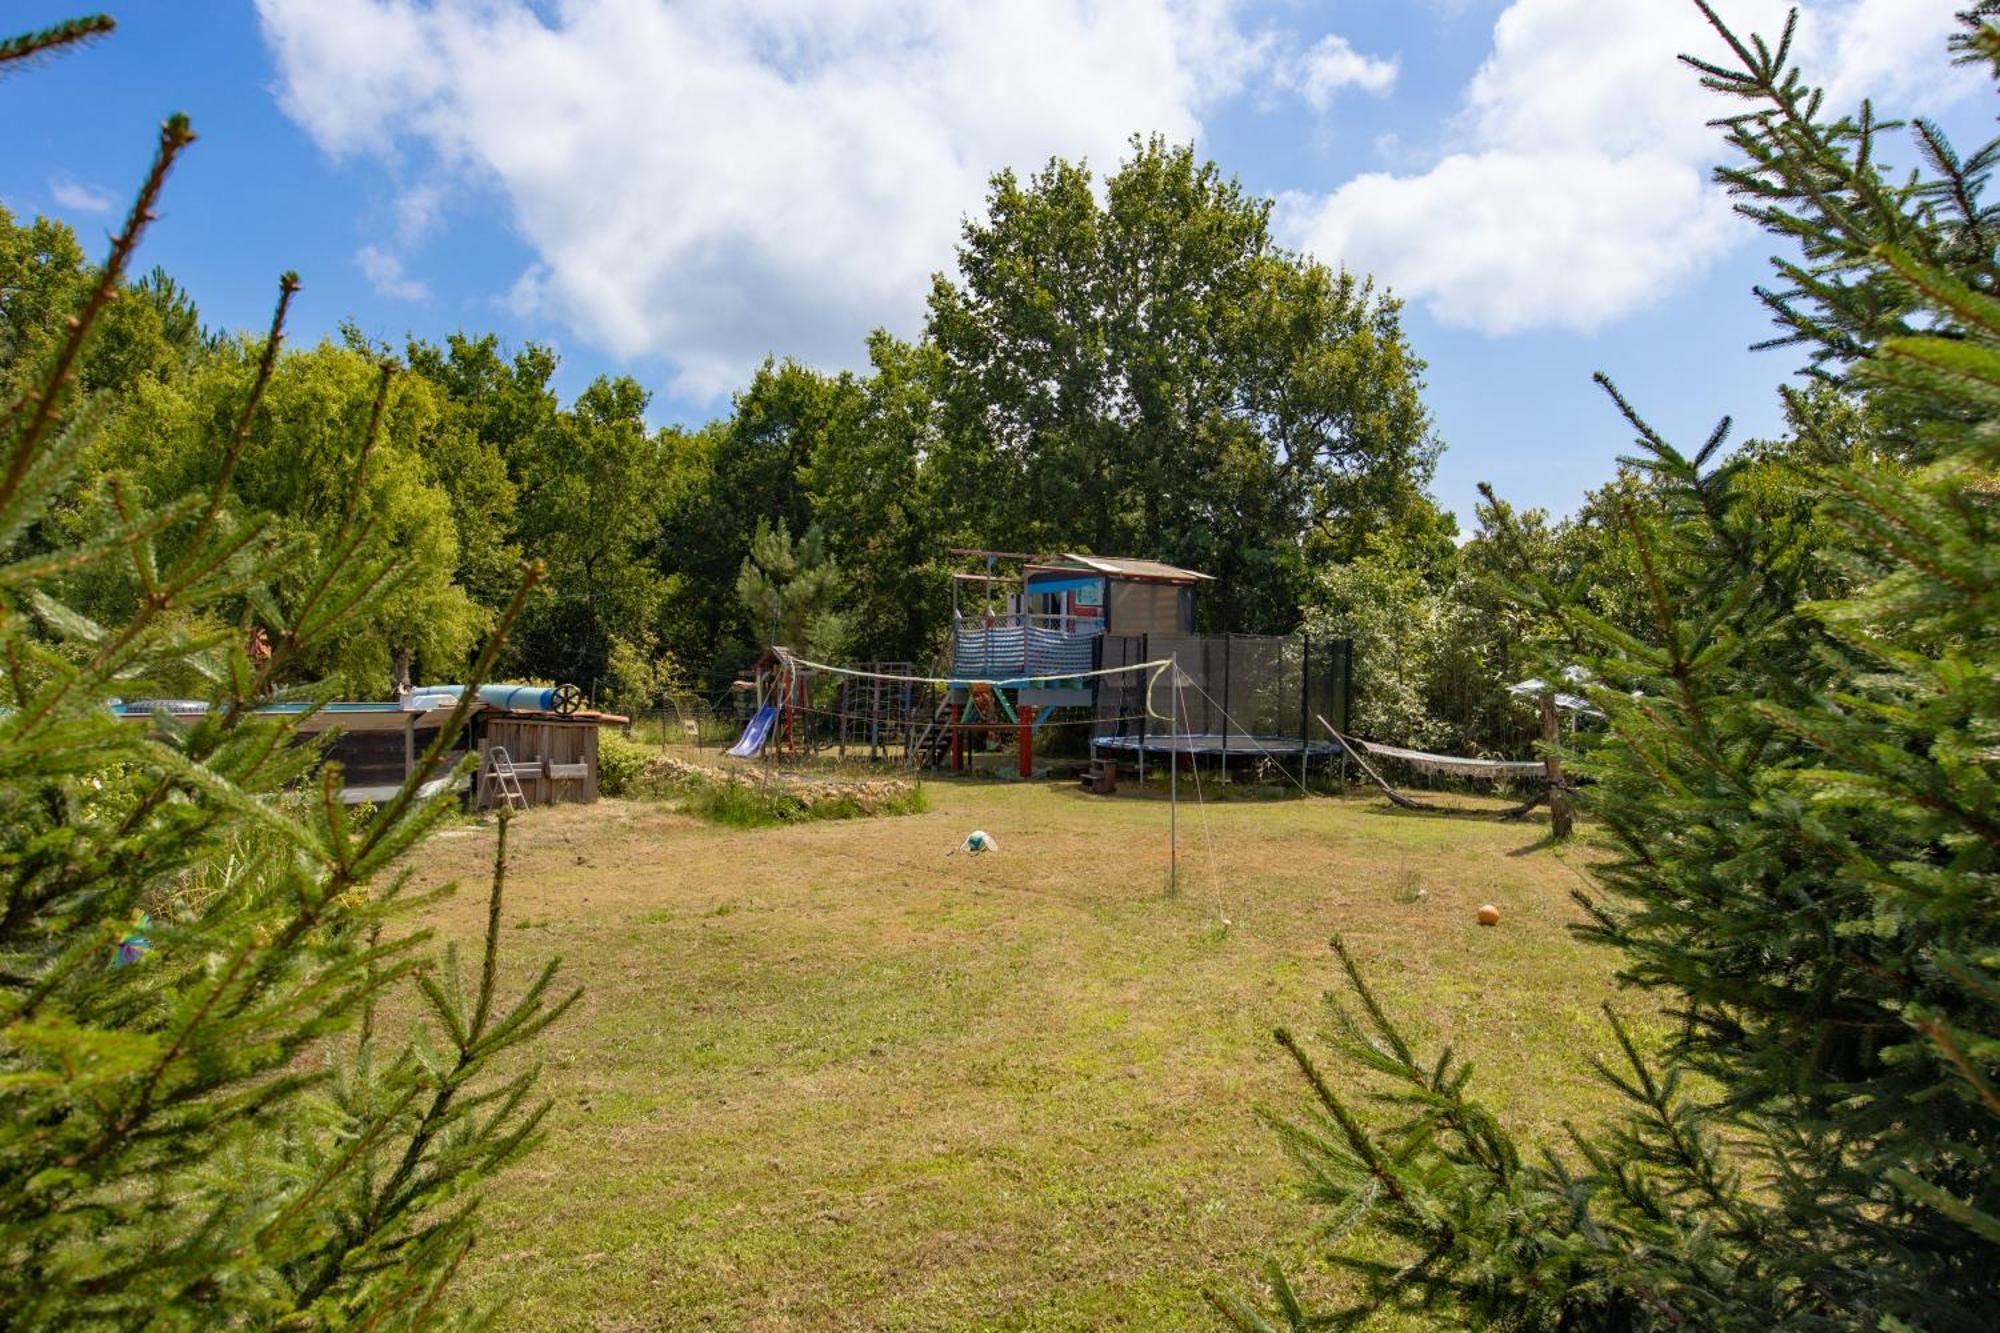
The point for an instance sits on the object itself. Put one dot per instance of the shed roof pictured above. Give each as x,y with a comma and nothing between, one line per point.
1120,567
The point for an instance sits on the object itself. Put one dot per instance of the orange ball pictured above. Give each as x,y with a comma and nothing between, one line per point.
1489,915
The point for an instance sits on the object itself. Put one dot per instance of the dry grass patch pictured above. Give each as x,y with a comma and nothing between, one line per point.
743,797
825,1077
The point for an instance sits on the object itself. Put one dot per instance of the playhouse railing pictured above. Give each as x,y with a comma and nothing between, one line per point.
1083,625
997,647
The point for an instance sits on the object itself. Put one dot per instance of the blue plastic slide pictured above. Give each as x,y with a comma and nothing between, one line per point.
756,733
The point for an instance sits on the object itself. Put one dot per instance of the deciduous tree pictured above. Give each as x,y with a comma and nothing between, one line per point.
1152,375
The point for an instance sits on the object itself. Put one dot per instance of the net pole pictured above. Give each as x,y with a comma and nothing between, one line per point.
1305,700
771,736
1228,641
1146,655
1174,788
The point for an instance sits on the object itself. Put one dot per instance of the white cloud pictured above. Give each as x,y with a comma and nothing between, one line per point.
1506,241
712,180
419,210
1331,65
1888,50
80,198
385,274
1576,189
706,181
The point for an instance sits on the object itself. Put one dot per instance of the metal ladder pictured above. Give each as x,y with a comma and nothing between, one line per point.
500,772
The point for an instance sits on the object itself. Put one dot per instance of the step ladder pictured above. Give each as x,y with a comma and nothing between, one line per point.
500,773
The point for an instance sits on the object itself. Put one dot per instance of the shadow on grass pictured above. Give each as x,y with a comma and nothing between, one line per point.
1541,844
1498,814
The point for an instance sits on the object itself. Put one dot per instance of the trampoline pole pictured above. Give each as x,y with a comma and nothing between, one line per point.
1305,702
1146,695
1227,640
1174,788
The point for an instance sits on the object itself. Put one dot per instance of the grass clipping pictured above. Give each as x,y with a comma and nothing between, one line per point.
723,796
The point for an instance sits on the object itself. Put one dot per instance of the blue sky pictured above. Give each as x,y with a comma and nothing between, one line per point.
672,188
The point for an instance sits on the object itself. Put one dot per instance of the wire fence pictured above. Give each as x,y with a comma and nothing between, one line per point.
687,721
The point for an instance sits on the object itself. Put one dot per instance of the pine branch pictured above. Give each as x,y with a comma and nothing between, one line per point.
56,37
175,136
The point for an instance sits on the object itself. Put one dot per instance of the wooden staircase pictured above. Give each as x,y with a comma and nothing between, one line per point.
931,745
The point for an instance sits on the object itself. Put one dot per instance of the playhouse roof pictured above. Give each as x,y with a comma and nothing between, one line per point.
1119,567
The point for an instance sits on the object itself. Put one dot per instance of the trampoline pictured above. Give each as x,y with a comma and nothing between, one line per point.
1226,697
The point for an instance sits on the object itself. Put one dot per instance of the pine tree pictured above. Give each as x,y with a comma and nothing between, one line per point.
1804,792
202,1120
787,588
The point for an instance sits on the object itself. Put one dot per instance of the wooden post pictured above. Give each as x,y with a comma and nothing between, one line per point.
545,745
1559,816
777,724
1026,745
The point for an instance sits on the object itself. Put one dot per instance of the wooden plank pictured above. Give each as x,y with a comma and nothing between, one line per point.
545,734
479,783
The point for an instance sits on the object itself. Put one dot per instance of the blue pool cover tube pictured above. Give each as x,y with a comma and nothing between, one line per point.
521,698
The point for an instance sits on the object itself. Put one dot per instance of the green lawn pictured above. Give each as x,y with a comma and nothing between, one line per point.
825,1076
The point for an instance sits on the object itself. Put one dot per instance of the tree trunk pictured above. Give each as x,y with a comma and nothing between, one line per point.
1559,816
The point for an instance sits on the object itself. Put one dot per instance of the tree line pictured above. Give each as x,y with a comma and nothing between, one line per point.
1126,366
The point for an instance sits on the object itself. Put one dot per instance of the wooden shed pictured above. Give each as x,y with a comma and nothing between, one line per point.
553,755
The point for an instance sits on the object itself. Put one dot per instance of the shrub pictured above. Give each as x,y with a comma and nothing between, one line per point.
620,761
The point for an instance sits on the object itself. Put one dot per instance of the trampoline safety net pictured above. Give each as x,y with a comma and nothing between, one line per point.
1235,693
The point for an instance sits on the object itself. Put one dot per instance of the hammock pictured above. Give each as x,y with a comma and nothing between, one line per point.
1457,765
1485,767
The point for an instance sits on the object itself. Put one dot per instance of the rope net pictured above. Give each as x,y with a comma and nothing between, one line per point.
1142,691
